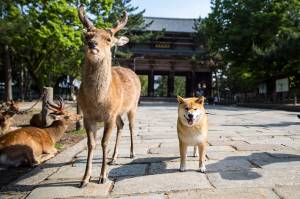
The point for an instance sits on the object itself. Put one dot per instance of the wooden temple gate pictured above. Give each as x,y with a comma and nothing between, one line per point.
171,56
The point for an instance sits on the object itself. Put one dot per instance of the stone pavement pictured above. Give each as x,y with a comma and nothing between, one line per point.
253,153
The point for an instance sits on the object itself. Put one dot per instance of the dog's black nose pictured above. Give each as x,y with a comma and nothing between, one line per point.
190,115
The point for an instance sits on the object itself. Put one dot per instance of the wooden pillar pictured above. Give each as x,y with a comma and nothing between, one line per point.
151,83
78,123
48,95
193,82
171,83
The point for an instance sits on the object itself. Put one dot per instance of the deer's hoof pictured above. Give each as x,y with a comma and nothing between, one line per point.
112,162
83,184
102,180
132,155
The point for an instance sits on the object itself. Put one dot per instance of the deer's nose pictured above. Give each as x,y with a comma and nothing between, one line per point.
92,44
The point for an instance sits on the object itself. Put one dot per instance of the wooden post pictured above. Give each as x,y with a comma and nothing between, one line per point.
48,95
78,123
151,83
171,84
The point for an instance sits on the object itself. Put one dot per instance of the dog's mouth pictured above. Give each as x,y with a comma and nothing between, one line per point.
190,121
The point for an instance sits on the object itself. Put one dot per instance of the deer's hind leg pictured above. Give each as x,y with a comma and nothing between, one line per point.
120,125
131,118
44,157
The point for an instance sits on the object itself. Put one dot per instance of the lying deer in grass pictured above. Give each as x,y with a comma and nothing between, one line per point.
7,111
32,145
106,92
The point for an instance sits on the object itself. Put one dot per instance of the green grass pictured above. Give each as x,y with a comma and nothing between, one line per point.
58,146
80,132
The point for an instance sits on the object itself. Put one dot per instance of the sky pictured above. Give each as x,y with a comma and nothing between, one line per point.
174,8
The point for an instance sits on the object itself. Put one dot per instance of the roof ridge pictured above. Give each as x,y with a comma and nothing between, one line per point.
169,18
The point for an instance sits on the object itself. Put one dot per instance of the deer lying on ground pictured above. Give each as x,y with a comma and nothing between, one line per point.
7,111
106,92
31,145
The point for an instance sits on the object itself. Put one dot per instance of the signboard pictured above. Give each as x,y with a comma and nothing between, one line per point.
162,45
282,85
262,88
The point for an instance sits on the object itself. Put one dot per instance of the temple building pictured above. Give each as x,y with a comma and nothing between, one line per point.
170,56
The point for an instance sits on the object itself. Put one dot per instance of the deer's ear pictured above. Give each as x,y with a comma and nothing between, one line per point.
121,41
55,117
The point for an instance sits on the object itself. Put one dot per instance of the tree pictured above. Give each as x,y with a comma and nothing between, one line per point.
257,39
135,28
45,38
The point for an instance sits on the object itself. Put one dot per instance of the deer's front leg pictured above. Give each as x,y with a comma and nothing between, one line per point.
90,131
108,127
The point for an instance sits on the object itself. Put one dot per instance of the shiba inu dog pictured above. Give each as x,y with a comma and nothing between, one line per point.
192,129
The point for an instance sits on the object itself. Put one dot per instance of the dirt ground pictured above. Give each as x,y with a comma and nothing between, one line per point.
71,137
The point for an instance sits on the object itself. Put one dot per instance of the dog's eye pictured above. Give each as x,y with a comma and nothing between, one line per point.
195,109
187,108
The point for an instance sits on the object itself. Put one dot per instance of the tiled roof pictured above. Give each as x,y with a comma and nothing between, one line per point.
170,24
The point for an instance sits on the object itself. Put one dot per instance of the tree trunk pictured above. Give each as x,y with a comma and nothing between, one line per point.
8,75
22,83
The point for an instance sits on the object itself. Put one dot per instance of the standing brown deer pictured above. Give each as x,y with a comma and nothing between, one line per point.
106,92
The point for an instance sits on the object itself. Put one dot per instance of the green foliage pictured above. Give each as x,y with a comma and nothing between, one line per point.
144,84
179,85
135,28
162,82
256,39
45,38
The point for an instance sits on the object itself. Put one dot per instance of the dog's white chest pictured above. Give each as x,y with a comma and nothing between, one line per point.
192,137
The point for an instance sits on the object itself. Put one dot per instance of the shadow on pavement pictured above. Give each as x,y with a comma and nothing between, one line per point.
241,174
280,124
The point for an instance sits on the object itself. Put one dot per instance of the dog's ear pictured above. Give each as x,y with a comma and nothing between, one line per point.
200,100
180,99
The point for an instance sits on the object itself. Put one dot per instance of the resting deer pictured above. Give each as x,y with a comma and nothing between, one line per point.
7,112
106,92
32,145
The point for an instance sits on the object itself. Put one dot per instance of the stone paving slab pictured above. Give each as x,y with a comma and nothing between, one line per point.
77,171
288,192
259,147
69,189
241,193
161,183
255,178
278,163
211,166
249,155
253,153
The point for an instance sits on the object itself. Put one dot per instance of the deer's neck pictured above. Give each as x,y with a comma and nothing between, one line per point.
97,78
56,130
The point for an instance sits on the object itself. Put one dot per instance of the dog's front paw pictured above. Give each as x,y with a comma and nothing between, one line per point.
202,169
182,169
